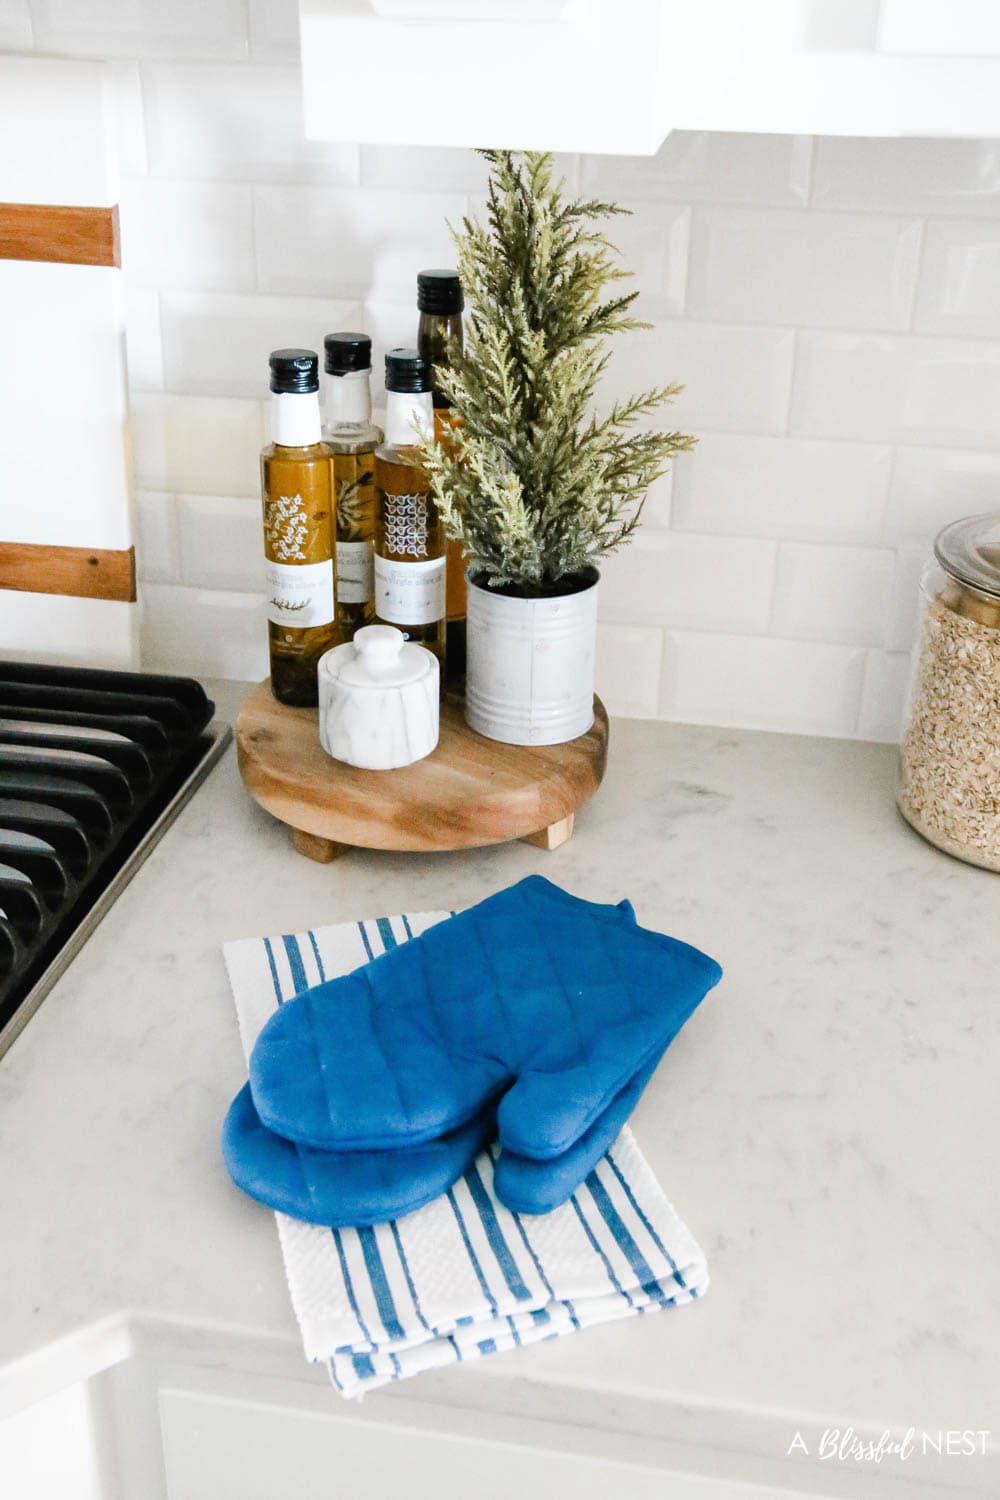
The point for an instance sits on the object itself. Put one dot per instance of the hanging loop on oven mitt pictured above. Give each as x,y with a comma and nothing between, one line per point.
551,1002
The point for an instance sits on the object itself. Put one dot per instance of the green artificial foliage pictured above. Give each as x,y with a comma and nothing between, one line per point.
535,484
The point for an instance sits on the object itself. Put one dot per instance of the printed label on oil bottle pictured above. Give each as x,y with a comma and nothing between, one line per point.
299,596
409,593
355,572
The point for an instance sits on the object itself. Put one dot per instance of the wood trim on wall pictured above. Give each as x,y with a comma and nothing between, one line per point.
83,572
69,236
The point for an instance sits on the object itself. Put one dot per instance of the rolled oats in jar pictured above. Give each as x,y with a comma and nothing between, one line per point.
949,778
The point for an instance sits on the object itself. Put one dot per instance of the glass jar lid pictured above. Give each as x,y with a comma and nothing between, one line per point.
970,551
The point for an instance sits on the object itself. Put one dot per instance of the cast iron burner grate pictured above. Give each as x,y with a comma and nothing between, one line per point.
93,767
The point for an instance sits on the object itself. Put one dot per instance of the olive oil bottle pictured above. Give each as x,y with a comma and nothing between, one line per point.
409,539
296,486
352,438
439,332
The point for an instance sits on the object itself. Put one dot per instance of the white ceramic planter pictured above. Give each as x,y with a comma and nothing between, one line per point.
530,675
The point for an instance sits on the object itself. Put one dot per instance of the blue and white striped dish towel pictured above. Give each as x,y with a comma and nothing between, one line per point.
464,1276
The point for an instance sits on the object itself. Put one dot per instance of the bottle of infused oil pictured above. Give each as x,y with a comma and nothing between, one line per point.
296,485
409,540
439,332
352,437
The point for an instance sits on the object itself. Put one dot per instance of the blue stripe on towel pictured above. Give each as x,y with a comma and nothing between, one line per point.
386,933
274,969
637,1209
299,980
473,1257
380,1284
364,939
495,1235
594,1245
349,1284
319,961
647,1276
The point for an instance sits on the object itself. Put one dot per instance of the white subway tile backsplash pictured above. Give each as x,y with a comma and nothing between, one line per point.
786,488
198,445
221,544
203,631
702,166
960,279
900,390
786,266
701,583
904,608
15,26
230,121
762,683
187,235
349,242
653,242
735,379
932,486
274,30
837,594
883,696
628,670
157,552
143,342
142,28
218,345
908,175
82,632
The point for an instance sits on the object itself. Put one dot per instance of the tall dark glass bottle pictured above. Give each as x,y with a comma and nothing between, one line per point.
439,333
409,539
352,437
298,537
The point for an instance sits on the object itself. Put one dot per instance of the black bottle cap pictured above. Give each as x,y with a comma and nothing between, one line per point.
294,372
407,370
344,352
439,292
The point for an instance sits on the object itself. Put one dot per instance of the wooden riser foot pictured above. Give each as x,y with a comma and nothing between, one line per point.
553,836
323,851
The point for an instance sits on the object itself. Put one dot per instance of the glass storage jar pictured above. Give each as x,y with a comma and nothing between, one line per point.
949,776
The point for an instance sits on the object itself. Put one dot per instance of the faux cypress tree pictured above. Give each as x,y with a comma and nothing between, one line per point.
536,483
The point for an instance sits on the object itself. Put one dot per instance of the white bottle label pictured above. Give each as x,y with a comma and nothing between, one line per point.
409,593
355,572
299,596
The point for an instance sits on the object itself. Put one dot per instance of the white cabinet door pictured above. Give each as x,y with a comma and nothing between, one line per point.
217,1447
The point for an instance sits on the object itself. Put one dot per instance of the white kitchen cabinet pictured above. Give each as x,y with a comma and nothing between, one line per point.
617,75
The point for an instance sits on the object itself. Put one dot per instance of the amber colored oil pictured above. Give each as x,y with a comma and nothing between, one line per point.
296,485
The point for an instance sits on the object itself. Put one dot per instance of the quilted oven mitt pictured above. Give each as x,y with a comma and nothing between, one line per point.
554,1003
345,1189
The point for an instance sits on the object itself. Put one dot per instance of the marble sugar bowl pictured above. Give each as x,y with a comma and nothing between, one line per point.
378,700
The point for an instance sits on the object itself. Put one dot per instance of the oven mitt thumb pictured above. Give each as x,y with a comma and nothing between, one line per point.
553,1002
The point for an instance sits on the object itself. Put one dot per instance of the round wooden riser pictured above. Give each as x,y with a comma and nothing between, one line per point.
470,792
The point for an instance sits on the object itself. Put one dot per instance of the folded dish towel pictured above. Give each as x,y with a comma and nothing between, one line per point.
462,1276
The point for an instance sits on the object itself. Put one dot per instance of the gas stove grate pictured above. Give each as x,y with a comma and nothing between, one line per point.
92,766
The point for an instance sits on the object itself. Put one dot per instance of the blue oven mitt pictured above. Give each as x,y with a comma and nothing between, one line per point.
554,1003
342,1189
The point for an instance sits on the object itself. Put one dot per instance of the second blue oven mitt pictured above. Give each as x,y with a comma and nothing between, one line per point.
554,1003
343,1189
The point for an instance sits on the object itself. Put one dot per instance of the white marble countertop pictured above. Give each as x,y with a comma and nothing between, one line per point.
826,1123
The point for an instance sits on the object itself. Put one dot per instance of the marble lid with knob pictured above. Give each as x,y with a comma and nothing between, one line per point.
379,656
